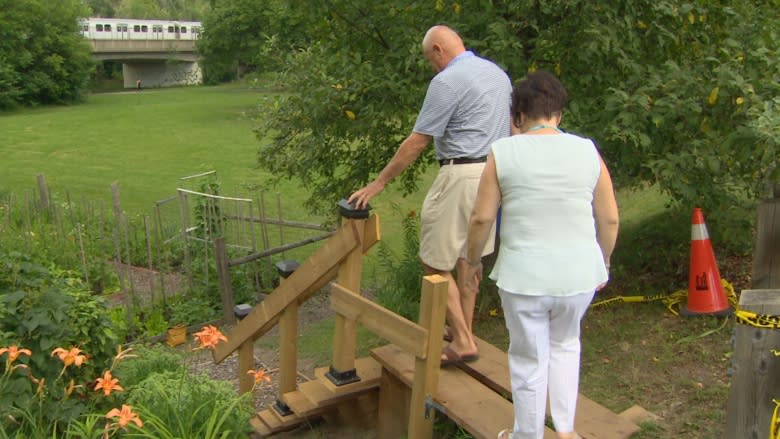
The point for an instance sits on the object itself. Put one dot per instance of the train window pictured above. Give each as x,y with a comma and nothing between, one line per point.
144,28
157,28
121,28
173,29
99,27
195,29
85,28
107,27
184,29
136,28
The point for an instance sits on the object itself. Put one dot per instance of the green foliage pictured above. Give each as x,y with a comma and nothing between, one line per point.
182,405
44,309
401,292
193,308
245,35
43,59
678,93
148,360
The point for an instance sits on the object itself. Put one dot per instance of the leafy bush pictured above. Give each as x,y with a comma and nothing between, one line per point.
41,309
182,405
401,292
148,360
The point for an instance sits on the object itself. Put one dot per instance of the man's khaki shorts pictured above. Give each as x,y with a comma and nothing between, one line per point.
445,216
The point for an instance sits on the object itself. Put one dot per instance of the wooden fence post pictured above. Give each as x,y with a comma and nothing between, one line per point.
43,191
755,380
221,257
766,255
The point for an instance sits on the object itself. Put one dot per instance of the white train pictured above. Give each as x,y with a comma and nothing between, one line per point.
130,29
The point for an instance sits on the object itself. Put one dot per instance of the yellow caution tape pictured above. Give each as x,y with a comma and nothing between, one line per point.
774,429
672,301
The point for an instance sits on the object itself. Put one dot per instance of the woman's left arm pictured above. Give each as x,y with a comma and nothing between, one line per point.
605,213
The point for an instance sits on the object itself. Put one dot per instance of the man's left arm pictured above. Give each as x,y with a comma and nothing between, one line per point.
410,149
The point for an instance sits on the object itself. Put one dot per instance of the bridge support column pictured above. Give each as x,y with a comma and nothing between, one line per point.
154,74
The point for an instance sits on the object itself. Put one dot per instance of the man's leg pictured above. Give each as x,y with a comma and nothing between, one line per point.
462,341
468,297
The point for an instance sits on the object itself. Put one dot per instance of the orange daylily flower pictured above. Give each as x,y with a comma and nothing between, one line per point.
108,383
209,337
72,356
259,375
14,352
126,416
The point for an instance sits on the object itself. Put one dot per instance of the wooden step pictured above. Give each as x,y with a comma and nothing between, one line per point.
475,407
260,427
593,421
300,404
321,392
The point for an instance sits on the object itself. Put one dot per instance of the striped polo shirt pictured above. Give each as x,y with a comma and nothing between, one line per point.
466,107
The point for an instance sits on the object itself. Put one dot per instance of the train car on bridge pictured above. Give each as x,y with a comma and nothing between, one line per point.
130,29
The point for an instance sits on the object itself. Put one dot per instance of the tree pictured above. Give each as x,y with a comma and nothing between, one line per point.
682,94
43,58
246,35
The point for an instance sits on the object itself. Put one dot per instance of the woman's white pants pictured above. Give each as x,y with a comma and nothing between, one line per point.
544,352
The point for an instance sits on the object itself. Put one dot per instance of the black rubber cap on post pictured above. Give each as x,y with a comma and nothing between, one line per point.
347,210
286,267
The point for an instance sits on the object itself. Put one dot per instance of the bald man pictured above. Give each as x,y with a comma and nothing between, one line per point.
466,108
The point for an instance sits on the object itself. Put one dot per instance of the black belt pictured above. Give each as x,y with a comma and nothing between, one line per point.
462,160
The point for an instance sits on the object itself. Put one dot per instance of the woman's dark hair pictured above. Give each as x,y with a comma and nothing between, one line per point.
539,95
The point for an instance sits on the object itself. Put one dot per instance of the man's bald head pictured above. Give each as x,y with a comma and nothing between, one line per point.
440,45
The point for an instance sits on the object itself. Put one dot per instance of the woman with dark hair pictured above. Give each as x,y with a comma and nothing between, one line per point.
559,225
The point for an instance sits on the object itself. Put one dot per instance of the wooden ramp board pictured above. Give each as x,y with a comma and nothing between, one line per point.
593,421
475,407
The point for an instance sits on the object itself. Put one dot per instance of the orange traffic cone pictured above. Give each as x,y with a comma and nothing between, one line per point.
705,292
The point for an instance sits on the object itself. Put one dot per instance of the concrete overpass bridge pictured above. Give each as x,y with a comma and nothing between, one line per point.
155,59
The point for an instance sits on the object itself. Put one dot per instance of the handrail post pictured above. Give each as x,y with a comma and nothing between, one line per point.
288,342
433,307
342,370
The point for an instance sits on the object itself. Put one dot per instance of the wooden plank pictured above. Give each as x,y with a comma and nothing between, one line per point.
310,276
433,307
372,233
756,378
593,421
300,404
766,255
288,348
259,426
246,362
383,322
394,397
475,407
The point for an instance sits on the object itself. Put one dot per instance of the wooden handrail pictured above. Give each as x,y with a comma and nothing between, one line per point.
313,274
